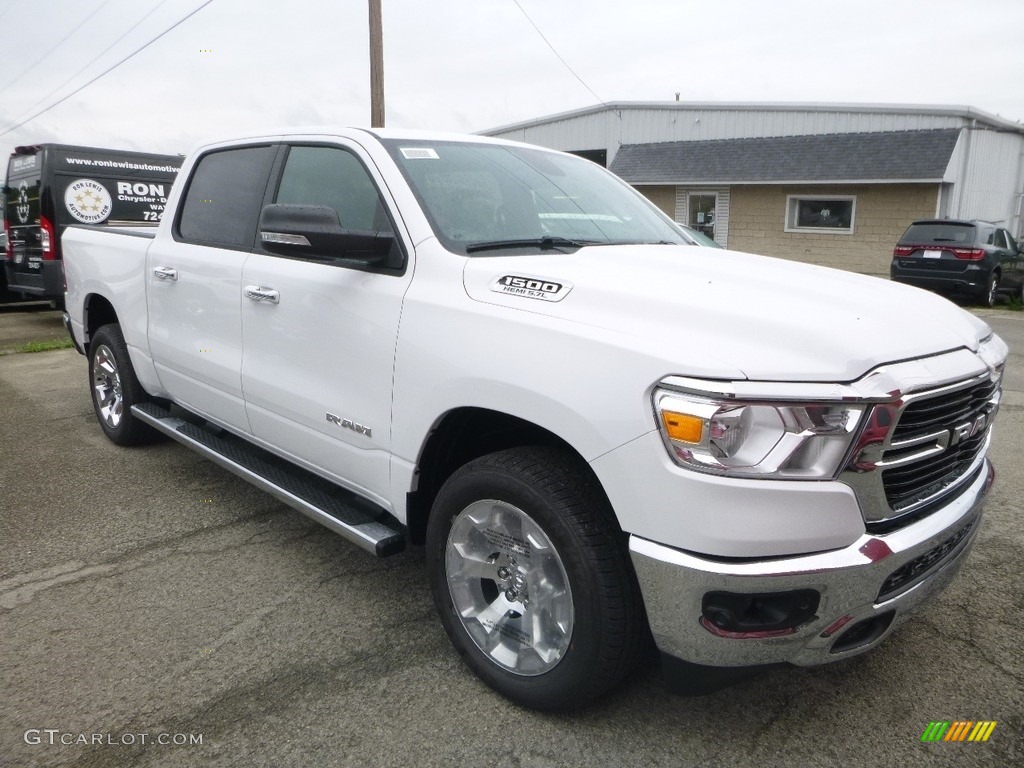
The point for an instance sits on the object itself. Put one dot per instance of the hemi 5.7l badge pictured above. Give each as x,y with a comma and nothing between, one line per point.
531,287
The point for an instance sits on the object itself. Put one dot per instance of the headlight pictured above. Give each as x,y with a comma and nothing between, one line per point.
757,438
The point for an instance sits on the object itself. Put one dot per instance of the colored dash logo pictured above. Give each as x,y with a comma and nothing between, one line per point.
959,730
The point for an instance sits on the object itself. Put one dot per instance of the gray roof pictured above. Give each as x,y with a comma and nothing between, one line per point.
883,156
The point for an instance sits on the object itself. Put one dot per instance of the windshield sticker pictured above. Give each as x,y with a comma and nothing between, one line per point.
21,163
419,153
88,201
531,287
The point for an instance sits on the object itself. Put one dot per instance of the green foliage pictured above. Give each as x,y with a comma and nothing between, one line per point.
46,346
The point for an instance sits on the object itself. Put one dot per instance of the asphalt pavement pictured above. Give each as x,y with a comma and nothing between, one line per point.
147,596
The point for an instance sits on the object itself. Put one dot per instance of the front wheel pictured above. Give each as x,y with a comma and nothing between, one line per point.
115,388
532,580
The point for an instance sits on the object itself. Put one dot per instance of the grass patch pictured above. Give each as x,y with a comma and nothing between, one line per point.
1013,303
46,346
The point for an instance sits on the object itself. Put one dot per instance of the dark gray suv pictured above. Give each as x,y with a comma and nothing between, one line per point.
974,259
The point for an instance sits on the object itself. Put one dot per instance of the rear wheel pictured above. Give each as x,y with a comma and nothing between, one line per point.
532,580
993,286
115,388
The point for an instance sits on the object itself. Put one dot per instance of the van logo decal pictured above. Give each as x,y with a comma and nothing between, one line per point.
23,208
531,287
88,201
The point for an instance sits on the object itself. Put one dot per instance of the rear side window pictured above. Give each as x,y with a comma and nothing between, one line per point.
224,197
1000,239
947,233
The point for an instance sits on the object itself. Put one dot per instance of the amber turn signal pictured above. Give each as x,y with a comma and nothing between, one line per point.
683,427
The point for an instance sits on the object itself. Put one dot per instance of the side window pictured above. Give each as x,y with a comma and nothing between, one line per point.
333,177
224,197
1001,239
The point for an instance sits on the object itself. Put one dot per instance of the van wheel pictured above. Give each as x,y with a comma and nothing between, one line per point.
532,579
115,388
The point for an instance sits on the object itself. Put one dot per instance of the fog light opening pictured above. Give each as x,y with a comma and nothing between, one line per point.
863,632
737,616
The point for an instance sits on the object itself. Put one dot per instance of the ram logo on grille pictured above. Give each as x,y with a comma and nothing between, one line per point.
968,429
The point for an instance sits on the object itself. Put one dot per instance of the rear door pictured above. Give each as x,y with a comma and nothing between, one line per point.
26,235
319,358
943,248
194,283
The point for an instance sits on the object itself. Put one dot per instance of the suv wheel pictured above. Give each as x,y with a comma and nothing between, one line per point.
993,285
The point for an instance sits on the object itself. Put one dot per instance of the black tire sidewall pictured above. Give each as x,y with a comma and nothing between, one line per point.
568,684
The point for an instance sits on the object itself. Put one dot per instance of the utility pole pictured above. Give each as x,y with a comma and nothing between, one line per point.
376,66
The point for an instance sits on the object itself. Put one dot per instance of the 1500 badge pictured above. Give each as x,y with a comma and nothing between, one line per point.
531,287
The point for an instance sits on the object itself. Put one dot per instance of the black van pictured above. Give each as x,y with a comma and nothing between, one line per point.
50,186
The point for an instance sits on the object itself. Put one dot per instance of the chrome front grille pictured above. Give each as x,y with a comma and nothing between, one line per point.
944,410
917,452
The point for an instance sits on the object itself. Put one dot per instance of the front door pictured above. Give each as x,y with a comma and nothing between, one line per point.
702,207
319,356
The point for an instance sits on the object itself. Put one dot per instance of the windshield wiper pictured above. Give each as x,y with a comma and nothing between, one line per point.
544,243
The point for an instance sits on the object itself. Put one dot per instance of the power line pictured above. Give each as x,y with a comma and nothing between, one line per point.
94,59
109,69
564,62
55,46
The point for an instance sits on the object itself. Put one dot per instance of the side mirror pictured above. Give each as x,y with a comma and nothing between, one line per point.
314,232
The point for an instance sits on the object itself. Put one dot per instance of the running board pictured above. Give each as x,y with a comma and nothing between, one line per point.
360,521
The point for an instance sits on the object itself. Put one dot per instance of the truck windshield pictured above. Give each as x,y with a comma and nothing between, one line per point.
483,199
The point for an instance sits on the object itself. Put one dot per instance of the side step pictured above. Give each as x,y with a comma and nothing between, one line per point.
358,520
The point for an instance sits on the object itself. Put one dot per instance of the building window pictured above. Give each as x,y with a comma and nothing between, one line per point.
820,213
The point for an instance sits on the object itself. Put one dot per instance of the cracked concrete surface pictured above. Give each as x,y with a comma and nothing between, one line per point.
148,591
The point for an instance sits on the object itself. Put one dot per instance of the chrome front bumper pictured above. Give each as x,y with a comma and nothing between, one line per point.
909,565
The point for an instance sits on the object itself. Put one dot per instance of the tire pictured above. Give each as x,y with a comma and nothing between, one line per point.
990,293
532,580
115,388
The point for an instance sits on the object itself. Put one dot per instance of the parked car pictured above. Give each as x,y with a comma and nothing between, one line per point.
696,237
974,259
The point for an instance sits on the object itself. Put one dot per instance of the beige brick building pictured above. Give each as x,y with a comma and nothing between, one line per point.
757,222
831,184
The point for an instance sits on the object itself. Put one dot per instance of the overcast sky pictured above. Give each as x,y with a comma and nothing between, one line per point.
470,65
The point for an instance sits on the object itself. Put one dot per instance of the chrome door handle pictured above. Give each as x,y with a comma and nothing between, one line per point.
165,273
259,293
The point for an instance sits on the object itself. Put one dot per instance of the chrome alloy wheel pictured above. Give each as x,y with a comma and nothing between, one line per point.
509,587
106,386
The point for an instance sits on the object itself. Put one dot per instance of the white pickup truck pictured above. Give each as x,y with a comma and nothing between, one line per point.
599,432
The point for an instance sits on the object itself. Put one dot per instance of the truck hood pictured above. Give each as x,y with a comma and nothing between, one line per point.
710,312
